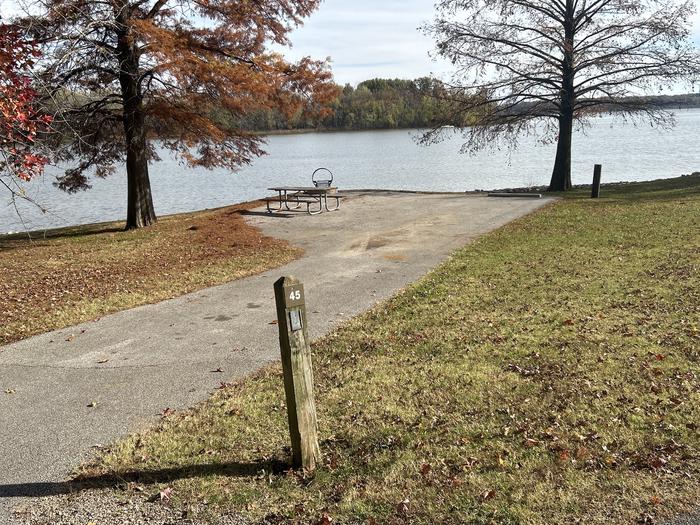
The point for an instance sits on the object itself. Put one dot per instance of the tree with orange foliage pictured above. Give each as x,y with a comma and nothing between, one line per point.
125,72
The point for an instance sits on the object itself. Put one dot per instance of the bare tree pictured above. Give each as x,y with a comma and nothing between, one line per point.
543,66
120,73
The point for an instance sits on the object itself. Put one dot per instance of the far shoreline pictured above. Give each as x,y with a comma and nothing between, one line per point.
322,130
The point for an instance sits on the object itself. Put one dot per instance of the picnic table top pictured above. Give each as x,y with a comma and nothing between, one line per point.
306,189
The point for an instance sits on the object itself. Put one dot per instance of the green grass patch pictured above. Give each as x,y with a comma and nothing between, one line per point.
547,373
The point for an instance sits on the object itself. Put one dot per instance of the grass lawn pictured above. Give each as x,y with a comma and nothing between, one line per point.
547,373
77,274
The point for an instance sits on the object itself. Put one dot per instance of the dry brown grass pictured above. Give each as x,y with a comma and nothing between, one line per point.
77,274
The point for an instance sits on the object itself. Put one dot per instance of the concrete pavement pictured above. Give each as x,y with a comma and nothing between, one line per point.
91,384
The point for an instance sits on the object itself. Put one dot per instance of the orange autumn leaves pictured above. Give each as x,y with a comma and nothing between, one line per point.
203,66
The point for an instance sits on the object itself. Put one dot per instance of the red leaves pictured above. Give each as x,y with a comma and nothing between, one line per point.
20,122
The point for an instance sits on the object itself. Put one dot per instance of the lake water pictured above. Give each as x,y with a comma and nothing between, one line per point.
375,159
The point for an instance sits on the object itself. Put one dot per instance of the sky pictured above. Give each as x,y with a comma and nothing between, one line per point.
377,38
369,38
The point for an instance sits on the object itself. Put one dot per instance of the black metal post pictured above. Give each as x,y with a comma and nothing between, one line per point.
597,172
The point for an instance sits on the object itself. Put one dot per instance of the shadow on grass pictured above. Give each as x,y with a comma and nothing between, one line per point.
145,477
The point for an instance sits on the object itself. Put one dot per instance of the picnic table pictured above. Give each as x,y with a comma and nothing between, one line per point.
294,197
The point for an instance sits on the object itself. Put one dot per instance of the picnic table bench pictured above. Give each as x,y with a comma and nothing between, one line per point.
294,197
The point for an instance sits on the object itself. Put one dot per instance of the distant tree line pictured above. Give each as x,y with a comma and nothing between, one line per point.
670,102
373,104
383,104
397,104
653,102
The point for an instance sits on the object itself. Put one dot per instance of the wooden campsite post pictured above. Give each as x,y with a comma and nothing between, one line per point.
298,375
597,172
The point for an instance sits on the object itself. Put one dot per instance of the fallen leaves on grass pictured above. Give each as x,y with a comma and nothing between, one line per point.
487,495
77,274
403,506
325,520
165,494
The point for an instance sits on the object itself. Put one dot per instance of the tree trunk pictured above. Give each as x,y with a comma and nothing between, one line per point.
561,174
140,211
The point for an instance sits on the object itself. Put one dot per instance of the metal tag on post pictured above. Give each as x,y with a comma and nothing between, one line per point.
298,375
295,320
